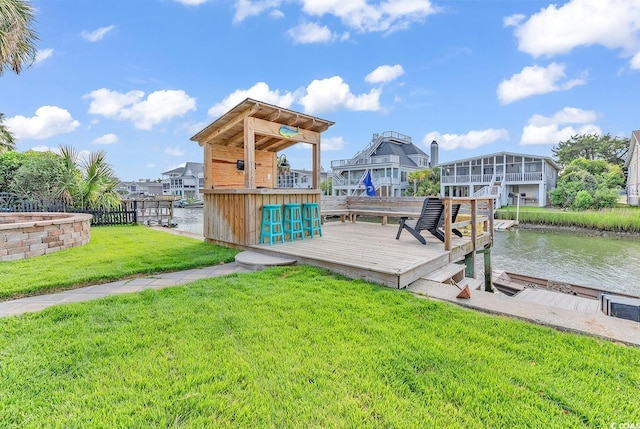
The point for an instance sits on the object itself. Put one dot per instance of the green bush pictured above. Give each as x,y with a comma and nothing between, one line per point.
599,179
583,200
605,197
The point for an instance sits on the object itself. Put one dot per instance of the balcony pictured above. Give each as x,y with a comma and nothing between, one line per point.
386,159
486,178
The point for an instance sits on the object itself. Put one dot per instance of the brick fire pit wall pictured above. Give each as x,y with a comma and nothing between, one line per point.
23,235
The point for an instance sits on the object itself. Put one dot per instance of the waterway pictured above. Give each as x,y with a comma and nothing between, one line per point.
604,262
611,263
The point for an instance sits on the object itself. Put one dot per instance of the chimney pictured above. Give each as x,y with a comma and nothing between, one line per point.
434,154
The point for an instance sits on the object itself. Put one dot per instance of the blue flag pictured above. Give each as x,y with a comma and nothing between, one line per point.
371,190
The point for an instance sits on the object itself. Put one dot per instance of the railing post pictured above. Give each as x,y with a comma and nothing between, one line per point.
474,223
447,224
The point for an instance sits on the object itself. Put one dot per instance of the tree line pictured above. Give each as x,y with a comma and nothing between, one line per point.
81,182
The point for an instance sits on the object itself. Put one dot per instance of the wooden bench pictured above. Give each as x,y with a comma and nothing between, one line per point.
383,207
334,206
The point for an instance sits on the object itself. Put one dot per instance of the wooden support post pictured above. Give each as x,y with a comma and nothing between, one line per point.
470,265
474,224
447,224
249,153
488,282
491,216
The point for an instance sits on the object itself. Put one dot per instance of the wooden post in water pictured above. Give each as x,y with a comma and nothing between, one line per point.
488,283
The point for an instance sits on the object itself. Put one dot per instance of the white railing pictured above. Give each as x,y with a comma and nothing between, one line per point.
486,178
338,179
383,159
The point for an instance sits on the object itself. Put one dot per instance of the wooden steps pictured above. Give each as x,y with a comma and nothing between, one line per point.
474,284
445,273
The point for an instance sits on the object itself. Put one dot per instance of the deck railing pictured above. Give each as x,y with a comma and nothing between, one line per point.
486,178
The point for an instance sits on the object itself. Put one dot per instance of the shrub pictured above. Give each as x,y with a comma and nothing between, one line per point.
583,200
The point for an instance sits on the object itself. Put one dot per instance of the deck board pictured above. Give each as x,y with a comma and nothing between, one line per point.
367,250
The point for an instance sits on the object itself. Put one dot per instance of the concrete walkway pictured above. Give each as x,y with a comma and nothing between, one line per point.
245,262
156,281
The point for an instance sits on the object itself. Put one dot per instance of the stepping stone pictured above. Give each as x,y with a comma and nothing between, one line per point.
257,261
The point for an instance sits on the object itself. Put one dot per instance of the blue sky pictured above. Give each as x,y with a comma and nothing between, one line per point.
138,78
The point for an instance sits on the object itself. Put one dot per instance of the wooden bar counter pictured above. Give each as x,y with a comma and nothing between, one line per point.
241,166
233,216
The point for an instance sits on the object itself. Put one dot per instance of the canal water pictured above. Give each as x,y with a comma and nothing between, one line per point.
611,263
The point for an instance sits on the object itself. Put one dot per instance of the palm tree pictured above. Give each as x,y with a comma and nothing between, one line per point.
7,141
17,37
99,182
70,178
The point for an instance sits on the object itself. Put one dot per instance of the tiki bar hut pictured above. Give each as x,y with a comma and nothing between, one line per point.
241,167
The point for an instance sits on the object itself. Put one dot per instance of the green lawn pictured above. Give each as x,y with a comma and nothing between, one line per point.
300,347
113,253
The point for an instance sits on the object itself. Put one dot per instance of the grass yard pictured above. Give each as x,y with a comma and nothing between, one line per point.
300,347
114,252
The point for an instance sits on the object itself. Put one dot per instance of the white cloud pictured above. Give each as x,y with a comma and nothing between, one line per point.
329,95
513,20
553,129
106,139
360,15
95,35
45,148
536,80
385,74
276,14
48,121
174,151
260,91
332,143
310,32
635,62
320,96
159,106
43,54
386,16
614,24
470,140
151,165
248,8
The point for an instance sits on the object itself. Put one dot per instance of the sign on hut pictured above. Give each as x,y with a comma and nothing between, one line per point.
241,167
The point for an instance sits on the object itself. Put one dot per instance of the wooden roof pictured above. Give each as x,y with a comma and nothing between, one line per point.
229,129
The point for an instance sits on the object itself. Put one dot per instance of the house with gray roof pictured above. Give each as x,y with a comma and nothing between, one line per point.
388,158
184,182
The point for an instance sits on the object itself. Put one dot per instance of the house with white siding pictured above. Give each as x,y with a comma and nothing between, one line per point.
507,175
184,182
633,170
388,158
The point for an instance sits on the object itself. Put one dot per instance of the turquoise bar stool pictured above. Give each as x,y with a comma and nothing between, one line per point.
271,223
293,221
311,219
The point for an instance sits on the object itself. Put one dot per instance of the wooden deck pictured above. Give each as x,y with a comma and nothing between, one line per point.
371,252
